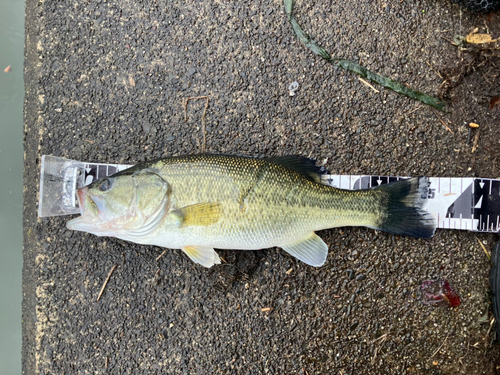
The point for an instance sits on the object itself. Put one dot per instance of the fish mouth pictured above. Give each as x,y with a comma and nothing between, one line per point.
80,195
88,211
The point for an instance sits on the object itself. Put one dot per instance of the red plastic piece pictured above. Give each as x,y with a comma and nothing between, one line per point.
439,293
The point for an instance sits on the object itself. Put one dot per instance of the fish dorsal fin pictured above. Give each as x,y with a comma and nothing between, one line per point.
305,166
206,256
202,214
311,250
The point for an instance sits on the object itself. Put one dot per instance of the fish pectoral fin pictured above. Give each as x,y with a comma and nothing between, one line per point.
311,250
206,256
203,214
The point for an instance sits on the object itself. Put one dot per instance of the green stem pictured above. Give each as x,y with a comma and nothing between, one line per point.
356,68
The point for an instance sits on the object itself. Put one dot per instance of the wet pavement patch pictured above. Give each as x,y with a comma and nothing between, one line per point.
107,82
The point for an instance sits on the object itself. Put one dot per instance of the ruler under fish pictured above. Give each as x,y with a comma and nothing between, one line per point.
465,203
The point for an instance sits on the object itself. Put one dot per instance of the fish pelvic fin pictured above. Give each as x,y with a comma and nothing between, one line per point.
202,214
206,256
403,211
311,250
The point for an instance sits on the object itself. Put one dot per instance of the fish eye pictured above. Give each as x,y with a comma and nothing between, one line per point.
105,185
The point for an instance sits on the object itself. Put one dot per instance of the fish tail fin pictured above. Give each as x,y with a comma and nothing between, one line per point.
403,204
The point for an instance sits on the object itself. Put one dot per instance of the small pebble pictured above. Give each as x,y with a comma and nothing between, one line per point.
350,274
294,86
353,255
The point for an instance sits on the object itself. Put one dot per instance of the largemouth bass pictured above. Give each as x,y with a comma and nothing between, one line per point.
200,202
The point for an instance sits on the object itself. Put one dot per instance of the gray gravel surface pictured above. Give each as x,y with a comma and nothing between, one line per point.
106,82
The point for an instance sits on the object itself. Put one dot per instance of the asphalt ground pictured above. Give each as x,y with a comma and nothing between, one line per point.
106,82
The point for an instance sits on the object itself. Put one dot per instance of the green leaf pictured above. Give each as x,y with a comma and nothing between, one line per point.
356,68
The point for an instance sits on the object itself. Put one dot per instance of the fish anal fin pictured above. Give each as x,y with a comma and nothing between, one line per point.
311,250
206,256
202,214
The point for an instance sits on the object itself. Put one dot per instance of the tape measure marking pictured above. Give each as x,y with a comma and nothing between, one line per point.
464,203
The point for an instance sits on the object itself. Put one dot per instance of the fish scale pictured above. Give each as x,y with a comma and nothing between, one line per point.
250,201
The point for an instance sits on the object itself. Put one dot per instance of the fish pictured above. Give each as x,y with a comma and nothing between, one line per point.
198,203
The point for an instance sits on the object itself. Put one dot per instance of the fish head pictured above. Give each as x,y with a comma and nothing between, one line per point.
122,203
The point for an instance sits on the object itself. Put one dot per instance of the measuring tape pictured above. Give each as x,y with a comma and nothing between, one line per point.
464,203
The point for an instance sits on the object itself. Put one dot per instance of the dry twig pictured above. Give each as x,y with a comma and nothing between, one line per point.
430,66
383,337
202,118
159,256
416,109
368,84
105,282
438,349
487,333
442,122
475,143
484,249
465,355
